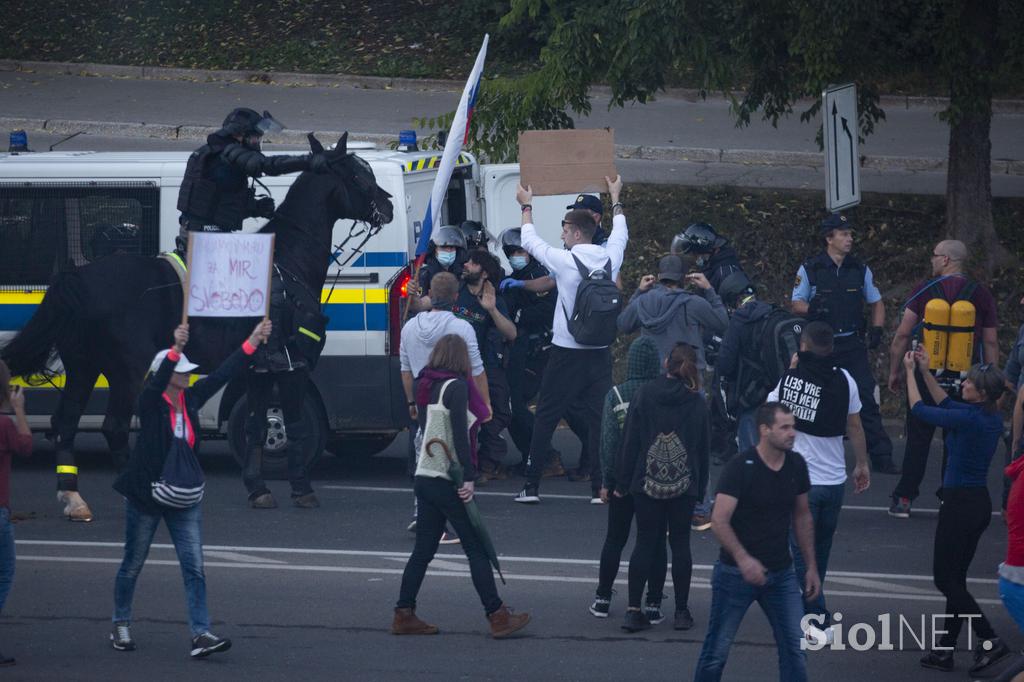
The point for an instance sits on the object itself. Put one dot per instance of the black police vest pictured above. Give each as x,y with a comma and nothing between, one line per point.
721,265
212,191
839,294
818,394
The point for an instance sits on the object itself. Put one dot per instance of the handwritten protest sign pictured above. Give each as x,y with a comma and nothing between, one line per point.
228,274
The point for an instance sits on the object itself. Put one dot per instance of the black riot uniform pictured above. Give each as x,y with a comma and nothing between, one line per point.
215,195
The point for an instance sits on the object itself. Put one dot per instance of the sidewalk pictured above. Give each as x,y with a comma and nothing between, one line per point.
672,132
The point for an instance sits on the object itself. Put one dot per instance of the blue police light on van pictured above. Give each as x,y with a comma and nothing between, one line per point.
407,141
19,141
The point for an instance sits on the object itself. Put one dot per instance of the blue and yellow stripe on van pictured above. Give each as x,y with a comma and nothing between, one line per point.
16,307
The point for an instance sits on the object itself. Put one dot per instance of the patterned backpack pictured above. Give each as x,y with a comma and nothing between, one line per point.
667,473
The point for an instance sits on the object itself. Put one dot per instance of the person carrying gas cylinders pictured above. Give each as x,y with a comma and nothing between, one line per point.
215,194
533,314
954,317
446,253
717,260
833,286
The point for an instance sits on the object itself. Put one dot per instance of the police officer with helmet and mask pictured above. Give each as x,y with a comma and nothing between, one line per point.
833,286
446,253
475,234
215,194
715,258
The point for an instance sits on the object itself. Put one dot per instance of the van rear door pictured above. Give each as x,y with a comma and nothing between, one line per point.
501,210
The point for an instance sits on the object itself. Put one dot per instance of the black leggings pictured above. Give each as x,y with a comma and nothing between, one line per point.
652,519
963,517
438,503
620,519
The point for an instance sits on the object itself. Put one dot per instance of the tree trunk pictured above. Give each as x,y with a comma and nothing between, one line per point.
969,172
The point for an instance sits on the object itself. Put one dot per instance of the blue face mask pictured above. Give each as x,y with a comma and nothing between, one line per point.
446,258
518,262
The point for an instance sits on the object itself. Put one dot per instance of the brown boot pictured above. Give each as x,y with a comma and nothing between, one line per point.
406,623
504,622
554,467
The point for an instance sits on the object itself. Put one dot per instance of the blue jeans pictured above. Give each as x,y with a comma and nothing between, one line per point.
746,430
825,501
1012,595
6,555
731,596
185,527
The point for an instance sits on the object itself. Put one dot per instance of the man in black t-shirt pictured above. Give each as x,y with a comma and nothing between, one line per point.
480,304
761,493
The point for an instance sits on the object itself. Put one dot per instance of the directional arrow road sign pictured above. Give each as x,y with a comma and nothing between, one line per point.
842,167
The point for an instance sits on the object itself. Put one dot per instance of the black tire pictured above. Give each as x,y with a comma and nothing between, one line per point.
360,446
275,458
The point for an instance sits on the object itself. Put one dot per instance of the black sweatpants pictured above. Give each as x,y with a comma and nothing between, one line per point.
492,446
620,520
653,518
573,375
964,515
852,355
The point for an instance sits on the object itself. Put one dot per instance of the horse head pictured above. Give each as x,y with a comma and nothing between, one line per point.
359,196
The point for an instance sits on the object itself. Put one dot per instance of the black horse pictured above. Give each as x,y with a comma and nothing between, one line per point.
110,317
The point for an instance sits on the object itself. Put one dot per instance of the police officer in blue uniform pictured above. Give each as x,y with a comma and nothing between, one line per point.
834,286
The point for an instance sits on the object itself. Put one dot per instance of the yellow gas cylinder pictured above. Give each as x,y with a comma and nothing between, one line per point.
961,343
936,312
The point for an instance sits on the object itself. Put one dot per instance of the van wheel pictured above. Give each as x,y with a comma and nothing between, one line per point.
275,456
360,446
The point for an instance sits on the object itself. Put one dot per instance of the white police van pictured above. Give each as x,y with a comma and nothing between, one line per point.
55,206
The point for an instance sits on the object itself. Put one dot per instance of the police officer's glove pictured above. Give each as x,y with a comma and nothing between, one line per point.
264,207
874,338
511,283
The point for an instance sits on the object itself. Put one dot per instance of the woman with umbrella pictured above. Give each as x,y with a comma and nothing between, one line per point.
447,405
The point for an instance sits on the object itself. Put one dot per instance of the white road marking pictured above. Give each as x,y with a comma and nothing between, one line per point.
878,585
546,496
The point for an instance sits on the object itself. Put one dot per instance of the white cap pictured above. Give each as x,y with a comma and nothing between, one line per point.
183,366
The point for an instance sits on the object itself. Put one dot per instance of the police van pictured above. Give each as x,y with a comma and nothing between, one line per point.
59,210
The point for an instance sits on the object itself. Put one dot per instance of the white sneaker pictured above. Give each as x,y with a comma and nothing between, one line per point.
819,637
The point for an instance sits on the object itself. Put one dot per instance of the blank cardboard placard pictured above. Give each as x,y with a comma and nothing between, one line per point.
566,161
229,274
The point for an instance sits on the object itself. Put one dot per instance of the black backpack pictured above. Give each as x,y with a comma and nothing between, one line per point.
776,338
595,312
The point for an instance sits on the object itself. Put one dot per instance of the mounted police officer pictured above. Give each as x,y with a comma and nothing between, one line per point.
215,194
833,287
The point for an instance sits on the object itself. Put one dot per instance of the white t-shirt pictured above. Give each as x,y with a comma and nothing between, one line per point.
562,267
825,456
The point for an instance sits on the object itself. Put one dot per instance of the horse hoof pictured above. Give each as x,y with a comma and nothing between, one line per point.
75,508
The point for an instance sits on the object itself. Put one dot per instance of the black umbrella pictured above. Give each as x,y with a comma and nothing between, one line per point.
456,473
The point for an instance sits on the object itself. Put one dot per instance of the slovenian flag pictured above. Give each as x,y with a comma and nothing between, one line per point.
452,148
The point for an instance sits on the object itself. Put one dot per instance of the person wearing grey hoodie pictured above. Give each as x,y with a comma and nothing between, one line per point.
661,309
642,365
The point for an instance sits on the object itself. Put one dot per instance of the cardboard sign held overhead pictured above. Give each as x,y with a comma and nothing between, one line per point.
566,161
229,274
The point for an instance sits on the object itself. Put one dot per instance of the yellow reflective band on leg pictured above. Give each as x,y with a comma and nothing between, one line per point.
65,469
315,337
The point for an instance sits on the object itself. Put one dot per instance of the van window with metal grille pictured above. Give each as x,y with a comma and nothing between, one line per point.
47,228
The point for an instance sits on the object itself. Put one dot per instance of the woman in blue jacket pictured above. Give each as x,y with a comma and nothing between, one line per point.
168,413
973,429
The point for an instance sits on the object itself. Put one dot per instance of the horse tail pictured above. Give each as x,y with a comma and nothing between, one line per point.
33,348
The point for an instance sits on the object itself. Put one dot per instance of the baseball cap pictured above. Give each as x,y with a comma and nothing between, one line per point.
589,202
670,268
184,366
835,221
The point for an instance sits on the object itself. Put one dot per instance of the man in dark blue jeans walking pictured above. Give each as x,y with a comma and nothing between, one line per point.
762,493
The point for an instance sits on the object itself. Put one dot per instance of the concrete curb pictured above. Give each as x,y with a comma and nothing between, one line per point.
285,78
746,157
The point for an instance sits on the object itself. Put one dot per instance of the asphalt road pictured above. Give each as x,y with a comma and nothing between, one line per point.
743,155
307,594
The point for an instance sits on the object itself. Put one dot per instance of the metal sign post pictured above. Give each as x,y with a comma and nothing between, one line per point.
842,166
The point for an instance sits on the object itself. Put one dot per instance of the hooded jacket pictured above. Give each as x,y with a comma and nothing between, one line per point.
421,334
671,316
1014,524
642,365
664,405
